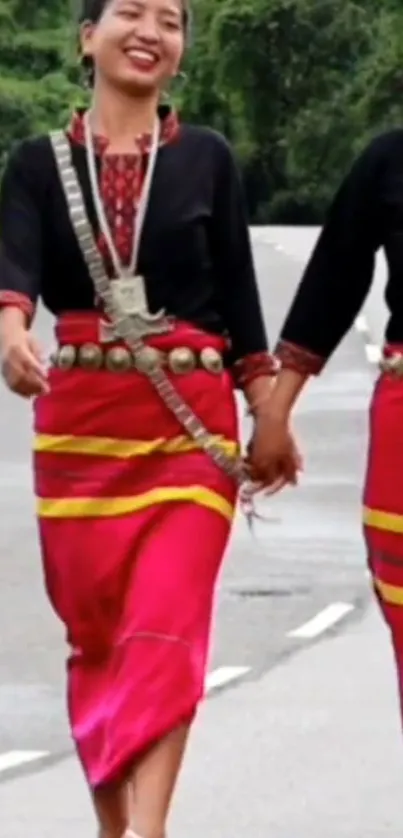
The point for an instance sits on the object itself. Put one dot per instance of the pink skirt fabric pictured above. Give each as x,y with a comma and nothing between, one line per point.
383,506
134,521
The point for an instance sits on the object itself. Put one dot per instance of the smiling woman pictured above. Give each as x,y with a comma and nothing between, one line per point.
109,50
131,228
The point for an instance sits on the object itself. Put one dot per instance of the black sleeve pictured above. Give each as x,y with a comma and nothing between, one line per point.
339,273
20,227
233,261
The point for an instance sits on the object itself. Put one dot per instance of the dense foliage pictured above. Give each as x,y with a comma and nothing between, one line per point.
297,85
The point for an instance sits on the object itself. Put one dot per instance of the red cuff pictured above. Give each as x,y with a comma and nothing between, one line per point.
254,366
297,358
21,301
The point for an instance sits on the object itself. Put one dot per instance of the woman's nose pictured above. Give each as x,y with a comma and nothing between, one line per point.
147,28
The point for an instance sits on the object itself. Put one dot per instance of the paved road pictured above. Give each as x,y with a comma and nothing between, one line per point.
307,557
310,750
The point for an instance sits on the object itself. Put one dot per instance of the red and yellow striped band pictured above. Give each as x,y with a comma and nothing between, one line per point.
124,450
386,522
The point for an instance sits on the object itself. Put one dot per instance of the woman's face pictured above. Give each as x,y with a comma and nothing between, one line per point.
137,44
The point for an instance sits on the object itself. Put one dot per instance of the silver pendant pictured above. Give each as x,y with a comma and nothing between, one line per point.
140,327
129,296
130,300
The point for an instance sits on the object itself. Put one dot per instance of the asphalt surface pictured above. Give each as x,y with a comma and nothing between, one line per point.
307,556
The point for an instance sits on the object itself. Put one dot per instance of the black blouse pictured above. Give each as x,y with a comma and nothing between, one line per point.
366,214
195,252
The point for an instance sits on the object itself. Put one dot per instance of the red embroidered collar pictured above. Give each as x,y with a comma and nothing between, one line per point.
169,129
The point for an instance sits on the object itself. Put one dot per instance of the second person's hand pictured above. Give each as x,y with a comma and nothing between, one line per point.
273,460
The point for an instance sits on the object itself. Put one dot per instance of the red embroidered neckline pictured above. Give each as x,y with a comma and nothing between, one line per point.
169,129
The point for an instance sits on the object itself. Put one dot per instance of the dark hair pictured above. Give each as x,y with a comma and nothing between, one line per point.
92,10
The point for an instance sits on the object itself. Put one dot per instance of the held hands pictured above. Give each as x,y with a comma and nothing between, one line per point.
21,363
273,459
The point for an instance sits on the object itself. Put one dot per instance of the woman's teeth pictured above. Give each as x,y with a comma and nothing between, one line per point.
142,55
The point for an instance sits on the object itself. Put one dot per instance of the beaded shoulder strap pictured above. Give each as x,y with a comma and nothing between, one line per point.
123,325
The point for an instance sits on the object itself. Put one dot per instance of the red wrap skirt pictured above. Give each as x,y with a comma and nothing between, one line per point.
133,520
383,504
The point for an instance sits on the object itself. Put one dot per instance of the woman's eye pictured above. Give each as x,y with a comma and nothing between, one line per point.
129,14
172,25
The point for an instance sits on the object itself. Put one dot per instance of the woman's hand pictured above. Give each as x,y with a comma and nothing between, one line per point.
22,367
273,459
273,456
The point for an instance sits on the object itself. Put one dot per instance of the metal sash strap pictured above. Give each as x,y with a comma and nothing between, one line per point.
125,325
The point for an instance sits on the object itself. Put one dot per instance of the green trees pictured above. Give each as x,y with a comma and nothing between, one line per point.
297,85
35,53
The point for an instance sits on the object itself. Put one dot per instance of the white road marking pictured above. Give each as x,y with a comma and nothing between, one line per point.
372,350
373,353
15,759
361,324
224,675
323,621
215,679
